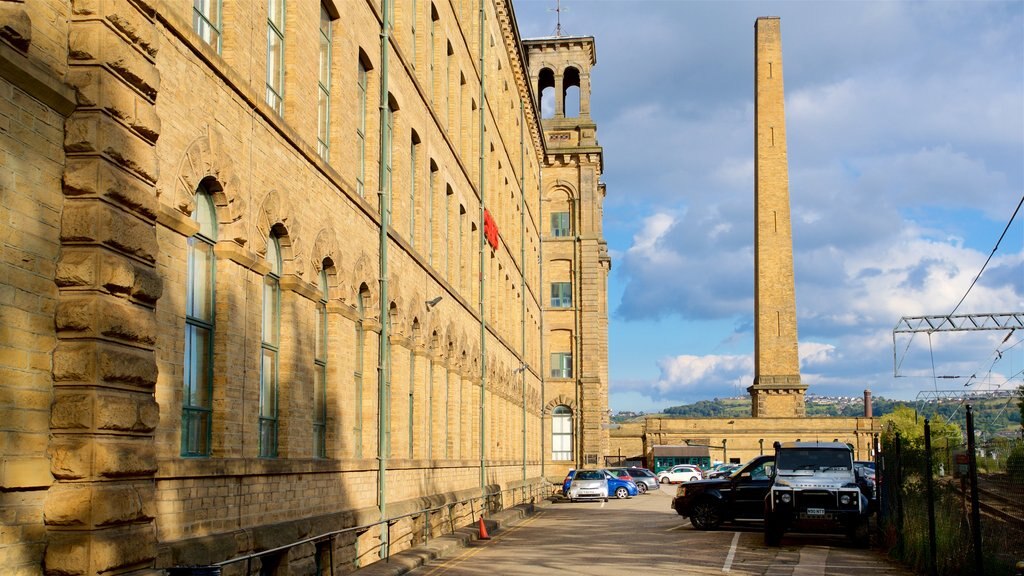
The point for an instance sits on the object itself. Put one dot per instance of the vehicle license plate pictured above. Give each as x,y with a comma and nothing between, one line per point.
588,492
815,511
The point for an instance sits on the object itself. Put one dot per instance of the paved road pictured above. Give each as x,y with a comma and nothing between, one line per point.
644,536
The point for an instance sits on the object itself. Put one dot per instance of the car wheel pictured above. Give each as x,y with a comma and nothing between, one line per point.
641,488
662,479
706,514
861,533
772,533
621,493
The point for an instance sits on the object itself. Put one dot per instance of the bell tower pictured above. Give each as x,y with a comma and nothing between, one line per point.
574,255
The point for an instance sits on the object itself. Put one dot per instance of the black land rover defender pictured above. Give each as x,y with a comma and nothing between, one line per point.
815,488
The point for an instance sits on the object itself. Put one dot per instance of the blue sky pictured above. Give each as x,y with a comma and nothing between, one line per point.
905,127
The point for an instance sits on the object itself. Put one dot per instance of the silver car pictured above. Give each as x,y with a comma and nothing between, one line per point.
644,478
589,484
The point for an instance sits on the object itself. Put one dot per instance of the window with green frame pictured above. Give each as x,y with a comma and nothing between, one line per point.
323,138
362,81
561,365
206,21
561,433
357,376
275,55
560,224
561,294
197,401
271,337
320,373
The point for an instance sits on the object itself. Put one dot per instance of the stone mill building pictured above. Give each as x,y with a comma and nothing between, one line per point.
276,270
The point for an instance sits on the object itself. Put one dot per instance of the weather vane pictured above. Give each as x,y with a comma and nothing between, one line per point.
558,17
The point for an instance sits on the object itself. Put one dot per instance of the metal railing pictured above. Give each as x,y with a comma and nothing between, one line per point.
492,501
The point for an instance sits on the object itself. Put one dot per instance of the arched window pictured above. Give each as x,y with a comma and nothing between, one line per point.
362,86
320,373
271,336
546,89
197,402
561,433
571,92
357,377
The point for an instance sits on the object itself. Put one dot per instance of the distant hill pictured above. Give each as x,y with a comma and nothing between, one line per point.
993,415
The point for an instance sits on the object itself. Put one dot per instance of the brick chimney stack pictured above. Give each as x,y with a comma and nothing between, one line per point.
867,403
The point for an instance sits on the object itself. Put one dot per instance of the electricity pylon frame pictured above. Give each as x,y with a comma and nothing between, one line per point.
954,323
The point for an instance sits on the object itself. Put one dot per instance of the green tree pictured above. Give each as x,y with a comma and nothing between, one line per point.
1020,393
910,425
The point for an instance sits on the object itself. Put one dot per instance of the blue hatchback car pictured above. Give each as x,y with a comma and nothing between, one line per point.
617,487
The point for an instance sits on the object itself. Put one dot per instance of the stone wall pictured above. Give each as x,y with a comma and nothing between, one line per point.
740,439
98,178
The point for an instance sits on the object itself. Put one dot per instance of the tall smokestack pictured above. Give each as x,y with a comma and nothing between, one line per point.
867,403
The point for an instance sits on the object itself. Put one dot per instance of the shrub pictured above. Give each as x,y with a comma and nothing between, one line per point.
1015,463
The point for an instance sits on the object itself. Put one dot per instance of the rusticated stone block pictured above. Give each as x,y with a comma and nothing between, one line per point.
68,505
74,362
126,412
15,26
76,267
70,458
135,25
74,553
95,316
92,361
93,42
98,89
85,176
127,366
88,268
121,458
99,222
99,504
149,285
94,132
116,273
71,411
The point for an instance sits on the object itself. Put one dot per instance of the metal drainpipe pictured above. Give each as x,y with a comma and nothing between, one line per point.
483,242
540,283
384,351
522,264
578,353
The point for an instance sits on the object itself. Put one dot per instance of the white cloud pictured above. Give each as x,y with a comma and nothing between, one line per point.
904,162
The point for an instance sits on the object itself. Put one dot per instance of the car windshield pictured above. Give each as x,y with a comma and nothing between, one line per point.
639,473
814,459
590,475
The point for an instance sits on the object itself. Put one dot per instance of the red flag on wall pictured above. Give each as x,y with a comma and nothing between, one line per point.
490,230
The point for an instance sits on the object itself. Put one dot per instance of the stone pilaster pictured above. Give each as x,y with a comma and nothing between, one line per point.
99,513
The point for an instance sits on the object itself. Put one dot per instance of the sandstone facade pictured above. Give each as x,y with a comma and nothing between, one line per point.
247,293
575,255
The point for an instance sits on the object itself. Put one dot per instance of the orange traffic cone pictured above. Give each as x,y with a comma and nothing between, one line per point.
483,530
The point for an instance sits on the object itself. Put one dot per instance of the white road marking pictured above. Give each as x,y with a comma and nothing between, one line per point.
732,553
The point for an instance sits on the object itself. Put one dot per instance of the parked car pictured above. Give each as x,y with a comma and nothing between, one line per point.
680,473
815,487
721,471
567,481
588,484
645,479
739,497
620,488
619,473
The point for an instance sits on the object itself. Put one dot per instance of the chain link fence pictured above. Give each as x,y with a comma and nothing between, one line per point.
949,506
